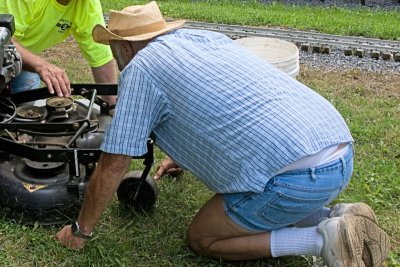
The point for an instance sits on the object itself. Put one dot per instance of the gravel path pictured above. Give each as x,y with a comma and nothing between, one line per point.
336,60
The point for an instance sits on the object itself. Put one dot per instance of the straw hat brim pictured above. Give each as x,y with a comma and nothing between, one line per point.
102,35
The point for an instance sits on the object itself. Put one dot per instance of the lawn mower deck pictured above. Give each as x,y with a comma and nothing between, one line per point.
49,147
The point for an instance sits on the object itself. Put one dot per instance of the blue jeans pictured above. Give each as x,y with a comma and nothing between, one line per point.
24,82
290,196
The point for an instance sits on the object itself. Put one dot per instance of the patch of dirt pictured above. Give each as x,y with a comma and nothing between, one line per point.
367,84
68,56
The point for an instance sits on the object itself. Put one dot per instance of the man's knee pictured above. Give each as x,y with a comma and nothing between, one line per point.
199,243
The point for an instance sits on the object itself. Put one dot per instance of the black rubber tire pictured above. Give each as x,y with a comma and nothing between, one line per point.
147,196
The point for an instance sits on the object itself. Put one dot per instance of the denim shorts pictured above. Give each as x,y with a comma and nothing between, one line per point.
24,82
290,197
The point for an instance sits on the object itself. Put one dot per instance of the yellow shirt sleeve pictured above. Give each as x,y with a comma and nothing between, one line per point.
87,16
41,24
22,11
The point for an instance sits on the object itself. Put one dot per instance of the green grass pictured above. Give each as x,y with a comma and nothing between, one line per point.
373,117
369,103
334,20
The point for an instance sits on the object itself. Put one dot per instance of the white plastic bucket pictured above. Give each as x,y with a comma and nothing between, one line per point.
281,54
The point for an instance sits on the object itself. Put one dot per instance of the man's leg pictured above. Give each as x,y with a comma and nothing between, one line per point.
24,82
212,233
337,240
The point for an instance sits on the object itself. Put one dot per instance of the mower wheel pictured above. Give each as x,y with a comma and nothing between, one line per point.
146,197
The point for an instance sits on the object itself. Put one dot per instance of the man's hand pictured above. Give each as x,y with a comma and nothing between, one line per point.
104,182
68,240
55,78
168,167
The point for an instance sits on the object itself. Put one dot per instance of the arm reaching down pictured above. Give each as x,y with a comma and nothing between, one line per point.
104,182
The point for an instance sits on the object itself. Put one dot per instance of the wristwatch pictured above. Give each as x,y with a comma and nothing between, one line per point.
77,232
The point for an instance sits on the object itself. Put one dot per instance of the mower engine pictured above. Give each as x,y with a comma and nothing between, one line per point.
49,147
10,60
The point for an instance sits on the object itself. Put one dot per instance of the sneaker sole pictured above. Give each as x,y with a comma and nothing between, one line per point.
376,245
377,242
352,231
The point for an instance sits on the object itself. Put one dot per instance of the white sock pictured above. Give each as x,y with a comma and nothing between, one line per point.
314,219
296,241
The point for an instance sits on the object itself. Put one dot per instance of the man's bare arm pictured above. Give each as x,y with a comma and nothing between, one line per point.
106,74
105,180
55,78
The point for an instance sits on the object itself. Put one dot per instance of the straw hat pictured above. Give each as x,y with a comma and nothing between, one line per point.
134,23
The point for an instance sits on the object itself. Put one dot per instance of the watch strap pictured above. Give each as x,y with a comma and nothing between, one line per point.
77,232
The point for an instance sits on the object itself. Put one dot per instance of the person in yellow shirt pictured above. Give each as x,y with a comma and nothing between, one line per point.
41,24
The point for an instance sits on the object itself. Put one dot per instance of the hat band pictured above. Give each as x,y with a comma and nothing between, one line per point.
153,27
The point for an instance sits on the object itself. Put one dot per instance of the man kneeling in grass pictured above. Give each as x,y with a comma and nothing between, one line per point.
274,151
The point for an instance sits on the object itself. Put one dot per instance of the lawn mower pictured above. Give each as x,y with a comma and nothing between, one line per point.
49,147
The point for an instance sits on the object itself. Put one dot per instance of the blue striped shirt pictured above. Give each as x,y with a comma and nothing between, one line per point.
230,118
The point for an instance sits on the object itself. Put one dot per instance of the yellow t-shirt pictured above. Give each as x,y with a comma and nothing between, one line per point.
41,24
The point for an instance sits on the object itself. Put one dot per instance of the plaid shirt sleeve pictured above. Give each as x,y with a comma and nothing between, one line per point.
141,106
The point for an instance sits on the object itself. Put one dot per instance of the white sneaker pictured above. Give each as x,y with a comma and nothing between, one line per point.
356,209
376,245
343,241
377,242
